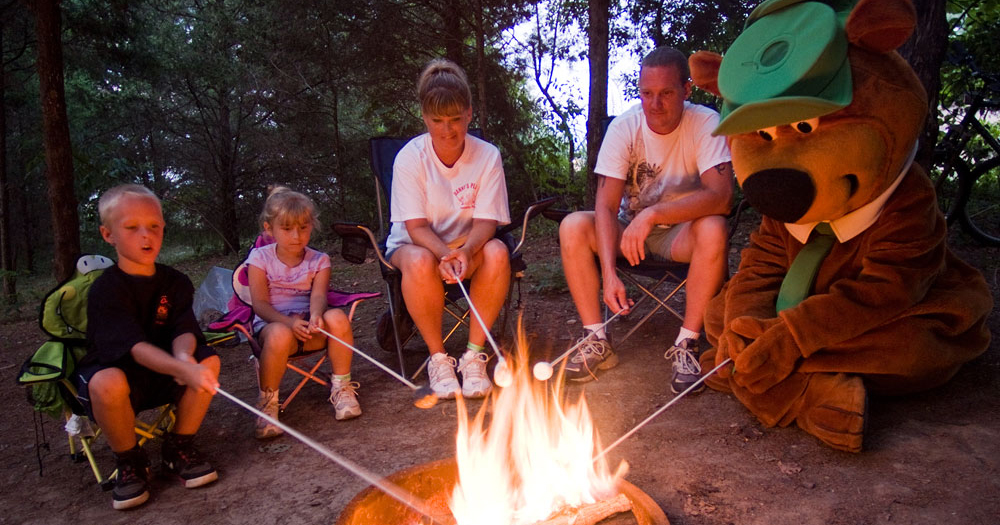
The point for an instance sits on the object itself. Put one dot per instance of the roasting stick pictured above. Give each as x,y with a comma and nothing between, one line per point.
543,369
664,407
502,374
425,397
393,490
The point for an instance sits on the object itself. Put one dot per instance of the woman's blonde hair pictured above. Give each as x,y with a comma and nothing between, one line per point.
443,89
284,206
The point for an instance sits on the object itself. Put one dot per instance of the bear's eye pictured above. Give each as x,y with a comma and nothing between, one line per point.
768,133
807,126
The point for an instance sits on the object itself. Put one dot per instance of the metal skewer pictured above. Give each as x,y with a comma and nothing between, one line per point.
502,374
664,407
543,369
393,490
425,396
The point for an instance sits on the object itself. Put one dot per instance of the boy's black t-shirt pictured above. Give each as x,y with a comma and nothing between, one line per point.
123,310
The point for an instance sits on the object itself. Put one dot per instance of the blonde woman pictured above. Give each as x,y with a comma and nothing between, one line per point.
448,197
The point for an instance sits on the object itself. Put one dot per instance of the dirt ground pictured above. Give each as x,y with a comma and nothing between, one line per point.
930,458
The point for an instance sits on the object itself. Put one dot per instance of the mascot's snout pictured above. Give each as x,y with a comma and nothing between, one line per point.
782,193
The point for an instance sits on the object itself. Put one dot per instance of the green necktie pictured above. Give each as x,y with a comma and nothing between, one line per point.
802,274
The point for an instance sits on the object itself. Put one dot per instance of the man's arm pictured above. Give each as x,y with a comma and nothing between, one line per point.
714,197
607,202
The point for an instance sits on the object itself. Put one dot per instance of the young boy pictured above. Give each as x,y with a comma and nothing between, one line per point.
144,348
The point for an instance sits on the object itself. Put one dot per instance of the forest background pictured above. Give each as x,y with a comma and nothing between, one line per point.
208,102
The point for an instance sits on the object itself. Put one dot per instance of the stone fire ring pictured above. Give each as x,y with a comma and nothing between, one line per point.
433,482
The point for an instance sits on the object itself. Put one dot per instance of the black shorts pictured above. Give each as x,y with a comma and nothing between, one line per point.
147,389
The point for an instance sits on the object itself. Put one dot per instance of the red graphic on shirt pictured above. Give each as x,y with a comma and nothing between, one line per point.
466,195
162,311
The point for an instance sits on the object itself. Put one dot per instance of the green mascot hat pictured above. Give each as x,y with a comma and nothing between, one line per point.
789,65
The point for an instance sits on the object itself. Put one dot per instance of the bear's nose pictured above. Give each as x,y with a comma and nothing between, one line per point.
780,193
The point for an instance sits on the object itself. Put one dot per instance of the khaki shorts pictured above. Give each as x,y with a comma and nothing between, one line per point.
660,240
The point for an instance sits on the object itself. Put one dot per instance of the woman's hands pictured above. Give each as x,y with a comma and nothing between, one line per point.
454,265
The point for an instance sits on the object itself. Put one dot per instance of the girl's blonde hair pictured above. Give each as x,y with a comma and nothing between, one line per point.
443,89
284,206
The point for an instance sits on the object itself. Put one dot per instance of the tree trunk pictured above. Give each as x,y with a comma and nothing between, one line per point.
453,36
481,65
55,129
6,246
598,12
925,51
226,191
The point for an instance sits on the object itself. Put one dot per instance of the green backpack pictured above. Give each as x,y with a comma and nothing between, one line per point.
63,318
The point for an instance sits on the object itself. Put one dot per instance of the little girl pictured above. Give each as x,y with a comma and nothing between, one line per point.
288,287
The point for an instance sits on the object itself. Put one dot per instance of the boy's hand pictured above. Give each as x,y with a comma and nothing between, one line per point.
198,377
300,329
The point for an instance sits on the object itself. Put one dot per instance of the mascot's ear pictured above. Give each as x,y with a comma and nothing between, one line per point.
881,25
705,70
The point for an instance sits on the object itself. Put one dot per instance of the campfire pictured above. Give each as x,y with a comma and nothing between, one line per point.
529,459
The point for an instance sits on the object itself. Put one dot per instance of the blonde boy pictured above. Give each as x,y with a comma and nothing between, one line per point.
144,348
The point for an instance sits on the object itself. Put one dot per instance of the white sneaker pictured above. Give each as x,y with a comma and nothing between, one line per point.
441,371
267,403
344,399
475,382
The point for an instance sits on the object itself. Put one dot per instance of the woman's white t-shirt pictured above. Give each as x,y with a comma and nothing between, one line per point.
289,287
653,165
449,198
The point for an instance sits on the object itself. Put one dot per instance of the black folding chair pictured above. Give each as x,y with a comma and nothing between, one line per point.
395,328
650,275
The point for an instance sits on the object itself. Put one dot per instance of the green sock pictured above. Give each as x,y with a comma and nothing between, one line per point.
474,347
346,378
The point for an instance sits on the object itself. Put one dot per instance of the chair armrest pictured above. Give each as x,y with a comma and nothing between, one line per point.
533,211
355,237
556,215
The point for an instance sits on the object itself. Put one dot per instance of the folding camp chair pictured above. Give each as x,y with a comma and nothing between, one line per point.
239,318
650,275
48,371
395,328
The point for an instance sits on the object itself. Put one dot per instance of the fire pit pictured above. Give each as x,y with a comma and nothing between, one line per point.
434,482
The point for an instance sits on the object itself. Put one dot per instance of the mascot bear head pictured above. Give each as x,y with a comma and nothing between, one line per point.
823,115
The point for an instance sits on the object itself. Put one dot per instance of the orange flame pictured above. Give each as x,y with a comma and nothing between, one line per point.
534,458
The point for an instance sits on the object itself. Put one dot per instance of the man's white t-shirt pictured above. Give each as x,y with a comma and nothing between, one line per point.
448,197
654,165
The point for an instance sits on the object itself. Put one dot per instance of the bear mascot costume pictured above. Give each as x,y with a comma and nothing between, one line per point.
847,288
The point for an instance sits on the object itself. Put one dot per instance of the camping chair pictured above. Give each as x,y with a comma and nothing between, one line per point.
47,372
395,327
239,319
651,274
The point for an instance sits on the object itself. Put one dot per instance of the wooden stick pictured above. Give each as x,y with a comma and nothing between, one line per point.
592,513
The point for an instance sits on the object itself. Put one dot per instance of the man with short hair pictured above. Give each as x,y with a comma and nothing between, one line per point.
664,187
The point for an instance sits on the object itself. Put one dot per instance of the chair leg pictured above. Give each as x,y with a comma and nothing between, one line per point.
393,306
651,293
307,376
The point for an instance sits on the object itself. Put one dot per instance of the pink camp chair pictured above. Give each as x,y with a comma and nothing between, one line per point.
239,318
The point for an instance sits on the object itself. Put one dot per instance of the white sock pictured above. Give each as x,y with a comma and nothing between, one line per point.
684,333
598,329
263,393
440,356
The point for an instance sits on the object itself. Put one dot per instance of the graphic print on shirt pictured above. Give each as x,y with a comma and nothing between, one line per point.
641,188
466,195
162,311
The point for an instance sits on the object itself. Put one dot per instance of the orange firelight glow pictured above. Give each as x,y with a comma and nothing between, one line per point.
534,458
